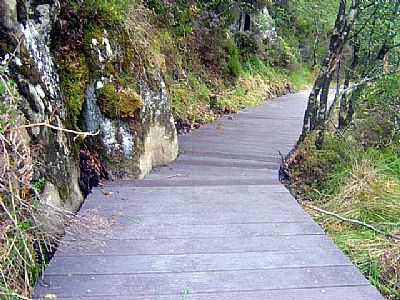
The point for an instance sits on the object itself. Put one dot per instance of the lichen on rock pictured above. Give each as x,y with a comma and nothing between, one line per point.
124,103
87,76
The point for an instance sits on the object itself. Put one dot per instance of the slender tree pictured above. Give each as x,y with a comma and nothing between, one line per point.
317,105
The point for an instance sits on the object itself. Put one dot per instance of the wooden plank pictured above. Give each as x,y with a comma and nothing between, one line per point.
198,245
202,282
197,192
227,155
202,182
204,217
188,262
225,164
137,231
364,292
165,195
209,203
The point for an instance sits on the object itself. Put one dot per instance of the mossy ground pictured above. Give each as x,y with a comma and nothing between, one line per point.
197,100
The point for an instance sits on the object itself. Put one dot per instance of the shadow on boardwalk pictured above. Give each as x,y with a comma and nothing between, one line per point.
215,224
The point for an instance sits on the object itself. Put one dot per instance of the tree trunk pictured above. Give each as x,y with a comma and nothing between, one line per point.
345,102
315,114
315,46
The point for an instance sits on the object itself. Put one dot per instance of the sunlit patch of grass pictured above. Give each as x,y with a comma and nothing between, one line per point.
302,77
190,98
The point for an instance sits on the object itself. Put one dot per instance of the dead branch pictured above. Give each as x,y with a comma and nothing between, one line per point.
387,224
46,124
366,225
366,80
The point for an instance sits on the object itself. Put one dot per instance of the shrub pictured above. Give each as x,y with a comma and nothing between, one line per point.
234,66
247,44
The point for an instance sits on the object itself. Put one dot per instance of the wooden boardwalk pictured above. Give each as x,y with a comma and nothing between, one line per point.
214,224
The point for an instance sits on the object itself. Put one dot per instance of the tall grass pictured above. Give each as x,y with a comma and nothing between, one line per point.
361,184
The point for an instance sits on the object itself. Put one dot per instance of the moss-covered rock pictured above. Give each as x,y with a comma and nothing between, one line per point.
74,74
118,102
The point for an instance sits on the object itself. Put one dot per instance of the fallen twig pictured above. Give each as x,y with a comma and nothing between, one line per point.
172,176
369,226
387,224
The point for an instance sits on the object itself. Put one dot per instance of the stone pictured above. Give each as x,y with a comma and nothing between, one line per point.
130,146
8,16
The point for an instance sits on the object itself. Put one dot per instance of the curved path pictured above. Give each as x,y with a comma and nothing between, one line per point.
214,224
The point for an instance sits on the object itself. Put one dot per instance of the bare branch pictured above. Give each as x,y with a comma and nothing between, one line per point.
387,224
366,225
366,80
46,124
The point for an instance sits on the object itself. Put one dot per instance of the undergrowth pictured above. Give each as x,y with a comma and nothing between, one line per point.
22,243
30,227
209,70
358,183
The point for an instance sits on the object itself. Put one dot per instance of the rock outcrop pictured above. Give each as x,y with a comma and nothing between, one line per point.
136,126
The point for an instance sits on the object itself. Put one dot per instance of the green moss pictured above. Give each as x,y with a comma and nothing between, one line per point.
92,32
64,193
118,102
39,184
234,66
73,75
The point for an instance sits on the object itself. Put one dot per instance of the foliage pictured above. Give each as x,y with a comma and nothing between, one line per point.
280,55
234,65
39,184
355,173
305,25
302,77
355,170
8,105
376,37
356,183
103,11
378,113
247,44
190,99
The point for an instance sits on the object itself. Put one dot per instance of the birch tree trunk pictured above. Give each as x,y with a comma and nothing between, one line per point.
317,105
346,105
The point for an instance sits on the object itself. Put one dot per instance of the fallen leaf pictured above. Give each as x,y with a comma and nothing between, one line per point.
107,193
50,296
219,126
